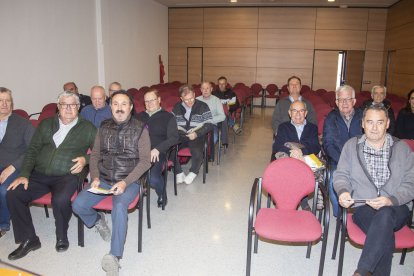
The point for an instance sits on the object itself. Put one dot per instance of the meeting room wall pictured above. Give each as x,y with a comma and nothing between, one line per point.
47,43
399,41
269,44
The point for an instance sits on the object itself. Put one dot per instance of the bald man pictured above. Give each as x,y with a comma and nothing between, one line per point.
98,111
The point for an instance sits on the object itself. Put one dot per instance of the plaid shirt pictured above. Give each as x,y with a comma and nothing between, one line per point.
377,162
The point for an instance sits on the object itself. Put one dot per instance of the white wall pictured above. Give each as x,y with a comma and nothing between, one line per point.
46,43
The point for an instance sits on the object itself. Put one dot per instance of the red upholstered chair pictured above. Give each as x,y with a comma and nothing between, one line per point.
22,113
48,111
287,181
272,92
410,143
257,92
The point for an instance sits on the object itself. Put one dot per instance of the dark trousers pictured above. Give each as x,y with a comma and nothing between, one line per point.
156,177
197,151
379,227
62,189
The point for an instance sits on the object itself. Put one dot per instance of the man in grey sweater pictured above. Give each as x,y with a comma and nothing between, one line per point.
15,135
376,173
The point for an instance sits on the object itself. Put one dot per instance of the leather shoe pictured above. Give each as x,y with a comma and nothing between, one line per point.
62,245
160,201
24,248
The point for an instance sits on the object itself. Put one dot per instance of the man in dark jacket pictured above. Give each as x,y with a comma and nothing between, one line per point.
56,155
15,135
340,125
163,133
120,156
194,121
84,100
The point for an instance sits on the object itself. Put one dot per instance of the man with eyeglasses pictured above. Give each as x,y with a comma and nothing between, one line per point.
98,111
375,174
340,125
163,133
53,160
113,87
280,113
378,95
296,137
194,117
84,100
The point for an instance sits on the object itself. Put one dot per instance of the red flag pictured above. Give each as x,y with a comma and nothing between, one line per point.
162,71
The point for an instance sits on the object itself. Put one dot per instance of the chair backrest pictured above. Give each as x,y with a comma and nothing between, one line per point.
410,143
288,180
48,111
257,89
22,113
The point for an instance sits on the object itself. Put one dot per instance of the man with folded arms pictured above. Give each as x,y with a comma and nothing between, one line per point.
189,114
55,157
375,173
120,156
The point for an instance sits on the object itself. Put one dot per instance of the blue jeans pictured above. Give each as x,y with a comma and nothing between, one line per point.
156,178
4,210
379,227
83,207
332,194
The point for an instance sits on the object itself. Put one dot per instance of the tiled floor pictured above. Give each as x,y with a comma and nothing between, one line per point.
202,231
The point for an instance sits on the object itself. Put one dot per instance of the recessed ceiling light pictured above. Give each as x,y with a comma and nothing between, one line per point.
233,1
331,0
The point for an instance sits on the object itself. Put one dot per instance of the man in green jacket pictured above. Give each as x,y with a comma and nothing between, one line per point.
55,157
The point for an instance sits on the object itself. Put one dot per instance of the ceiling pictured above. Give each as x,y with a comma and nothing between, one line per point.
279,3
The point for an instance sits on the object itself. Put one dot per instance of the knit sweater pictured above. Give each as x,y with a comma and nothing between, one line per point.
281,114
200,115
352,176
19,132
216,108
96,116
162,129
42,154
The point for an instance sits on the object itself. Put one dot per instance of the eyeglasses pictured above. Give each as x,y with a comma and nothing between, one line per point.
342,101
295,111
189,100
71,106
150,101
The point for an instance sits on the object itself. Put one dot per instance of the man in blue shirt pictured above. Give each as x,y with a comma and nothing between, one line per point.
98,111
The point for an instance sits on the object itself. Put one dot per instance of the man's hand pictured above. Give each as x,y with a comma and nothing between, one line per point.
78,167
155,155
192,135
296,153
6,173
119,187
345,200
379,202
17,182
95,183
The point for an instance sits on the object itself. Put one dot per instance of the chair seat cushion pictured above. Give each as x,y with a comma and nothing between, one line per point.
287,225
106,204
404,238
47,199
184,152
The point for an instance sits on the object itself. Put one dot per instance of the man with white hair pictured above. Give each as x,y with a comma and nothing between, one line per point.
98,111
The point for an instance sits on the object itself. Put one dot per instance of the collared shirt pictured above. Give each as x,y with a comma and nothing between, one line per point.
3,127
187,111
349,119
377,162
292,100
60,135
152,113
299,128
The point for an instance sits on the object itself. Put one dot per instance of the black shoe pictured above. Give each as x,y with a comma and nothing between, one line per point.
160,201
62,245
24,248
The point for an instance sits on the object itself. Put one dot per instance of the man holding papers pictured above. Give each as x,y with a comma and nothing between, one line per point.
375,173
120,156
196,115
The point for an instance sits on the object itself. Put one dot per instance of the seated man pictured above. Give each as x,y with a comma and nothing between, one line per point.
113,87
217,111
192,114
83,99
120,156
56,154
340,125
298,130
280,113
98,111
379,169
378,94
163,133
15,135
229,98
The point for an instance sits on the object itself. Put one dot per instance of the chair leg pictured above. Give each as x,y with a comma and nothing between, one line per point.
46,210
249,249
341,250
337,231
404,252
148,206
324,243
308,250
164,190
175,173
140,215
81,237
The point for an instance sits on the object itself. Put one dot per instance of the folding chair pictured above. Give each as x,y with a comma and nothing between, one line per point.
287,180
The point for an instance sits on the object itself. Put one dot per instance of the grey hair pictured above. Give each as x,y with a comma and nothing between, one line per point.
378,86
376,107
344,88
8,91
68,94
298,101
185,89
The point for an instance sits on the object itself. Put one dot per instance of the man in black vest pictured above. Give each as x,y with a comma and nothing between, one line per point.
120,156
